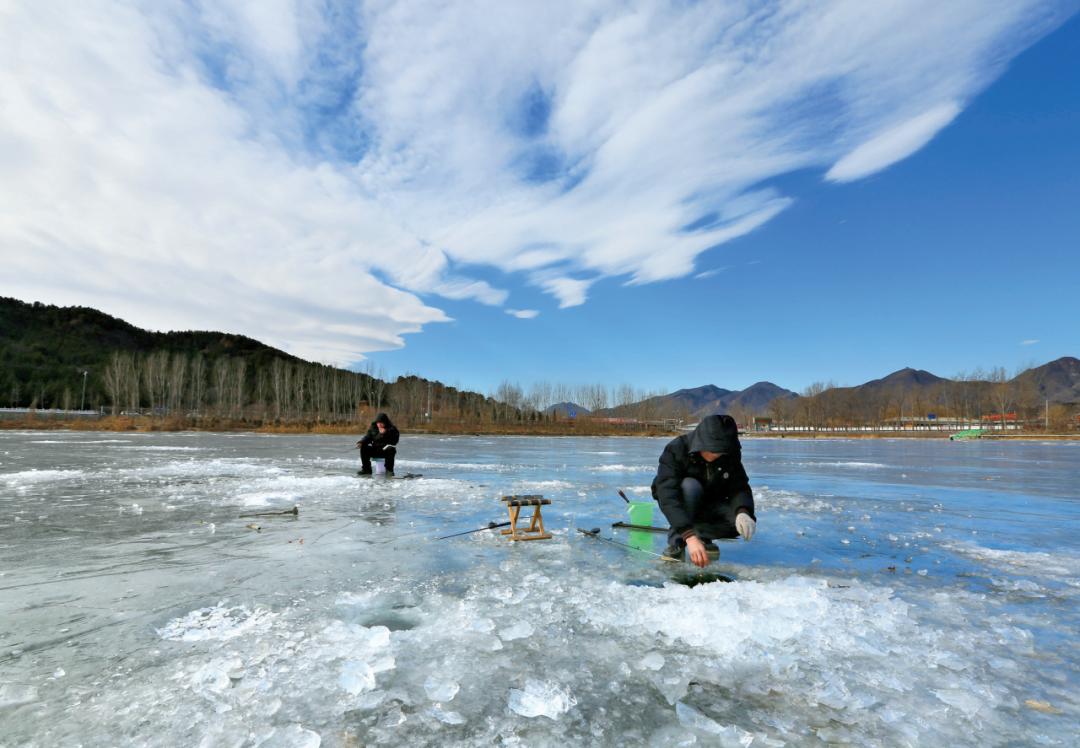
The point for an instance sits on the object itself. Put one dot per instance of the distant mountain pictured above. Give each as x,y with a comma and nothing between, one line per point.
906,378
698,402
699,398
1057,381
756,398
563,410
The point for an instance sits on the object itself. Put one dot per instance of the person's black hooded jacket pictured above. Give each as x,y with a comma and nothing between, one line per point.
377,439
724,480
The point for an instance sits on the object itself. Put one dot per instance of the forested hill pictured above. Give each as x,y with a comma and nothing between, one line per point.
45,349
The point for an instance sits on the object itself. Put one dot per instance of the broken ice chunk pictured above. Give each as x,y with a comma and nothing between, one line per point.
729,736
518,630
652,661
449,718
541,699
440,689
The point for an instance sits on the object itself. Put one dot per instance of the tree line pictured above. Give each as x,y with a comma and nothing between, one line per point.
191,387
971,398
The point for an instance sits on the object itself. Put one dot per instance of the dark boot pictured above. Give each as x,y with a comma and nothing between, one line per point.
675,551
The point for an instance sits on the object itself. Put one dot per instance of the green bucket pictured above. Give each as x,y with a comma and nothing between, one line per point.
641,512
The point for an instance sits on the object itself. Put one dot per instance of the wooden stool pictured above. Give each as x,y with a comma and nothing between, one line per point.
535,530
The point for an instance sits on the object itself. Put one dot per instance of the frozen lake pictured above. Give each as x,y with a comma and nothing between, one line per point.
897,592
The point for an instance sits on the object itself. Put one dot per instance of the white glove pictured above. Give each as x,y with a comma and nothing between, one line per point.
745,525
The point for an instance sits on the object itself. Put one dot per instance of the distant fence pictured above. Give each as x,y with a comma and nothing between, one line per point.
886,428
53,414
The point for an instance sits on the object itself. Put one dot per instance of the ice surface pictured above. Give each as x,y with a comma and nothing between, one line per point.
27,478
516,630
293,736
350,625
618,468
439,688
217,622
728,736
541,699
1038,562
14,694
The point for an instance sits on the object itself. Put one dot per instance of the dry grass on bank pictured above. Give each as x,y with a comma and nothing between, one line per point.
148,424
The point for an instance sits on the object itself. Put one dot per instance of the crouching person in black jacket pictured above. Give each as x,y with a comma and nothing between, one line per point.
379,441
703,489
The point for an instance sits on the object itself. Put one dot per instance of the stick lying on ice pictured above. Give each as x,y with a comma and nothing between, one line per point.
295,511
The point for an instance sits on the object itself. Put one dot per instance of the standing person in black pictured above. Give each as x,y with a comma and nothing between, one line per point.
703,489
379,441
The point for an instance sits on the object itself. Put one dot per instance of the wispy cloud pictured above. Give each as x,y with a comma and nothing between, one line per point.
1029,341
894,144
318,175
523,313
709,273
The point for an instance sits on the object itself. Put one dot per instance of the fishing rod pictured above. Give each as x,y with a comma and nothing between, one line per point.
629,526
595,533
490,526
295,511
623,495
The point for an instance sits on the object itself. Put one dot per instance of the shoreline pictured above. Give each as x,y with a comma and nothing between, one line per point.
120,424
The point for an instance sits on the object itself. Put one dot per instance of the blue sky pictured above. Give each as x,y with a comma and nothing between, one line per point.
659,195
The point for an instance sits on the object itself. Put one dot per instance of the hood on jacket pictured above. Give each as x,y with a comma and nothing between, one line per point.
716,434
383,419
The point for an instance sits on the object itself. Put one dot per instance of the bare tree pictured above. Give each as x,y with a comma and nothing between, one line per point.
198,382
378,388
132,378
178,370
113,377
277,384
239,385
156,379
221,385
625,396
596,396
1001,391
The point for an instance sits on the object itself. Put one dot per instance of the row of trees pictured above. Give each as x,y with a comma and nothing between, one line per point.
631,403
970,398
243,388
193,386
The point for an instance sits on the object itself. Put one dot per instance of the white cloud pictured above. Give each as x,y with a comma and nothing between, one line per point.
709,273
523,313
1029,341
569,291
895,144
317,175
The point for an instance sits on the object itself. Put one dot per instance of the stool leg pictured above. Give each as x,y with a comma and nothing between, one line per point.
514,511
